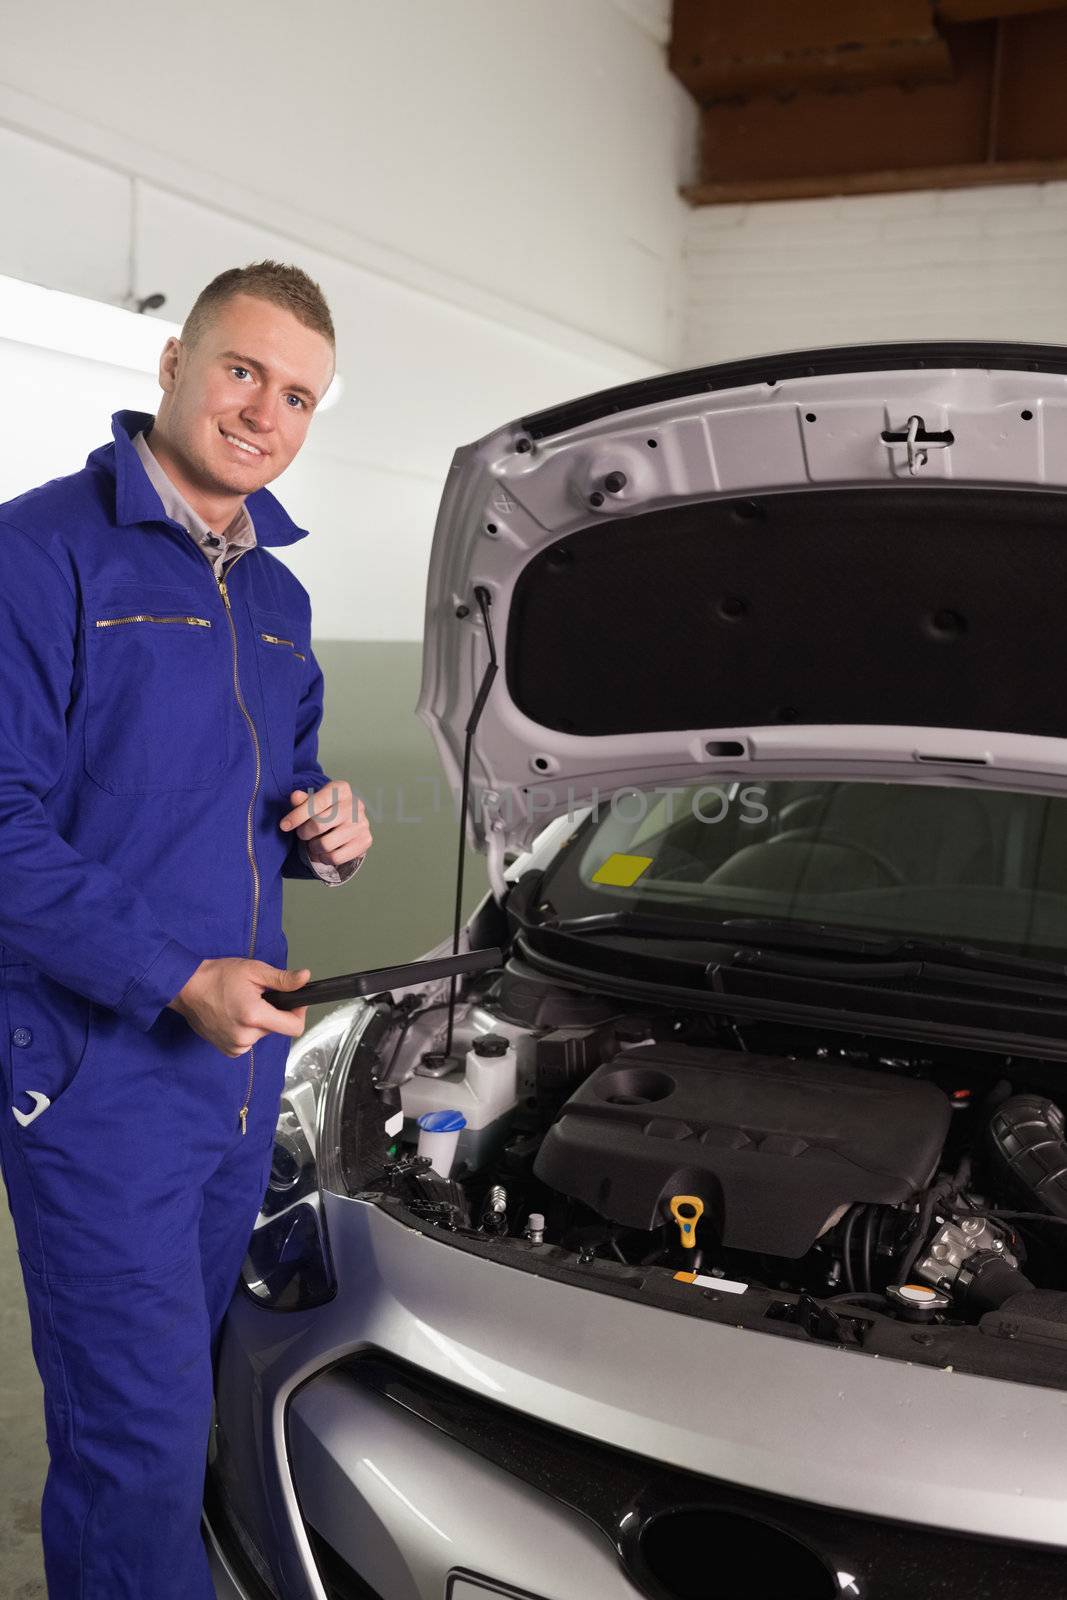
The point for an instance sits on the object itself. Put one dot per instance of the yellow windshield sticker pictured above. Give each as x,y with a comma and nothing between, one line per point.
621,871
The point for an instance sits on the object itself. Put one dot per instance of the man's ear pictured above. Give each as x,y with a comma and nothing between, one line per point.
168,363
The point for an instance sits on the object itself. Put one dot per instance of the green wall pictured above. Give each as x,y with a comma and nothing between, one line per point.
400,902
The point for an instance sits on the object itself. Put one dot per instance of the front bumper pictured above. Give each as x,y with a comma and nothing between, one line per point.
407,1507
832,1428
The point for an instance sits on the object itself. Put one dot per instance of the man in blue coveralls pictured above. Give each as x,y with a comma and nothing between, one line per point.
159,710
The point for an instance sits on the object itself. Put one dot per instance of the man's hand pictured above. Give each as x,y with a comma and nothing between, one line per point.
331,821
223,1002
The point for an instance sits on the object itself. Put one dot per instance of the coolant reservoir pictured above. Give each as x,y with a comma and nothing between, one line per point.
485,1091
492,1073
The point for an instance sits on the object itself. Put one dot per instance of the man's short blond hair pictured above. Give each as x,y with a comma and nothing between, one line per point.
285,286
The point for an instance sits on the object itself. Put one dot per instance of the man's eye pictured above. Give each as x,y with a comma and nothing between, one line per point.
240,369
297,398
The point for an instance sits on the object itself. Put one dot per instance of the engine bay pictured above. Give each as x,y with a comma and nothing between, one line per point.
837,1186
775,1149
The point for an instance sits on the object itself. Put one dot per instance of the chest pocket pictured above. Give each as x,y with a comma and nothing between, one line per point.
281,649
158,677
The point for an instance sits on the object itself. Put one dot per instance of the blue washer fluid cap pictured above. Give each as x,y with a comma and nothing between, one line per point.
442,1121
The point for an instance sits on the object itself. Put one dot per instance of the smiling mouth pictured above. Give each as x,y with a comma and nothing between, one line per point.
242,445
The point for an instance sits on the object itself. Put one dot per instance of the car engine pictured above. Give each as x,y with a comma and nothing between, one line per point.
838,1168
776,1150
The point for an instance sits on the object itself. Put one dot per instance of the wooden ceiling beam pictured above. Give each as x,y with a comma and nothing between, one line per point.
1030,121
879,129
1003,114
985,10
960,176
721,50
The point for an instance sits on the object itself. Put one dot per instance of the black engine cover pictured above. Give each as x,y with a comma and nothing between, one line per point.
773,1147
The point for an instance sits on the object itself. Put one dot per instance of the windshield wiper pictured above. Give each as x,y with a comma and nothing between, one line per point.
942,957
740,930
768,942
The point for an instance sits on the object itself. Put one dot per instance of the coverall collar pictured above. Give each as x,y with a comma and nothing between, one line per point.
137,501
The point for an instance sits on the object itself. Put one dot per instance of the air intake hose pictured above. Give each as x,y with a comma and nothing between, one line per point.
1026,1138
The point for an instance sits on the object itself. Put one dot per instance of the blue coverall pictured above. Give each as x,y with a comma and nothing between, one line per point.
152,725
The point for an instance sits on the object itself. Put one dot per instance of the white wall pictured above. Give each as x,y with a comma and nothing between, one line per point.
56,409
987,263
485,189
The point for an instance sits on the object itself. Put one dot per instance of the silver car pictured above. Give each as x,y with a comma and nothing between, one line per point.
704,1236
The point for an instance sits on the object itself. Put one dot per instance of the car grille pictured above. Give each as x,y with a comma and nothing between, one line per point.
338,1579
678,1535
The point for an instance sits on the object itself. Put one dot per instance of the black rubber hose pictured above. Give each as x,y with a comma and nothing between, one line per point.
930,1199
987,1280
846,1247
1029,1150
868,1246
876,1301
1014,1216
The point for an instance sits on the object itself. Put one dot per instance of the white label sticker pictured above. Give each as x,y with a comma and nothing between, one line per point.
394,1124
727,1285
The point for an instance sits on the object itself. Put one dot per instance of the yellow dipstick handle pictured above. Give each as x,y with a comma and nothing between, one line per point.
687,1210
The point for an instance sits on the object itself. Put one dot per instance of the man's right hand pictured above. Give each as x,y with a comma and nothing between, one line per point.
223,1002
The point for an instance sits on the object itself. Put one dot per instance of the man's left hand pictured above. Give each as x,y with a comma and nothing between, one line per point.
331,821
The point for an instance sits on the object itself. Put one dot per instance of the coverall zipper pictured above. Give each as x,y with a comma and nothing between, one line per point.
249,835
113,622
272,638
205,622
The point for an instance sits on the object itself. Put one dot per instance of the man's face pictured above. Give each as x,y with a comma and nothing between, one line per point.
254,375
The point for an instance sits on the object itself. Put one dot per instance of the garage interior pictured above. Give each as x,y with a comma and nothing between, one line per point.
506,206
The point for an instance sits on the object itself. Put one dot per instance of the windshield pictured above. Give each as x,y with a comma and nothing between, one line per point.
964,864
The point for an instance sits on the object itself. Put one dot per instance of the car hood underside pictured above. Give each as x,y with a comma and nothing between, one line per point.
841,557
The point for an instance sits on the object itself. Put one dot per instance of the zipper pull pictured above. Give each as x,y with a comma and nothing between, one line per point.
243,1113
222,591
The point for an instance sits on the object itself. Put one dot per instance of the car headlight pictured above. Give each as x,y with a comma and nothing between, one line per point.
288,1266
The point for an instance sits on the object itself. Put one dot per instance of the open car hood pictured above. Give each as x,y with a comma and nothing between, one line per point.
852,559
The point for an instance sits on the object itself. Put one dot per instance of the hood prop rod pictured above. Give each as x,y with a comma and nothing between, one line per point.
382,978
481,594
